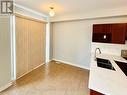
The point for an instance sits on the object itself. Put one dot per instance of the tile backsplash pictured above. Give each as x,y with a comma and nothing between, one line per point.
113,49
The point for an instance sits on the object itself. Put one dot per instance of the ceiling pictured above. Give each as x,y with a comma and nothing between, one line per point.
71,6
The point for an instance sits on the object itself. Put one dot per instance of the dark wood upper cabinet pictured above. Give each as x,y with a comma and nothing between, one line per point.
102,33
110,33
118,33
101,28
126,31
97,28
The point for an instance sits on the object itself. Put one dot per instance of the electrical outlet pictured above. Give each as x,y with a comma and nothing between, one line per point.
57,62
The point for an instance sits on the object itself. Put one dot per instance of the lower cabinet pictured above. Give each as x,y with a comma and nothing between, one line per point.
92,92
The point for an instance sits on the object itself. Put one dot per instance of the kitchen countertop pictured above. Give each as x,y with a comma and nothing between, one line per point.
107,81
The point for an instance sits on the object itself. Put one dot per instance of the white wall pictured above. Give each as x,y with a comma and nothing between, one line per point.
71,43
72,40
5,51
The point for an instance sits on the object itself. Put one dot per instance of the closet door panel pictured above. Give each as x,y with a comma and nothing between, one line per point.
30,44
21,47
37,44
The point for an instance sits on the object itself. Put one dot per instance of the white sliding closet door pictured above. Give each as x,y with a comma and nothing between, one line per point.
30,44
5,52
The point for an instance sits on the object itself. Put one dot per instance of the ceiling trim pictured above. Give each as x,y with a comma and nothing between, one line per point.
21,10
91,15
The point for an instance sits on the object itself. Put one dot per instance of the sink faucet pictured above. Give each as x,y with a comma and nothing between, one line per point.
96,52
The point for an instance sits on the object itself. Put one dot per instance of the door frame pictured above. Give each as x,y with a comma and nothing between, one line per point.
13,44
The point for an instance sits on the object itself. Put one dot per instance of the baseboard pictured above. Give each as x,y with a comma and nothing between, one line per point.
83,67
30,71
5,86
49,61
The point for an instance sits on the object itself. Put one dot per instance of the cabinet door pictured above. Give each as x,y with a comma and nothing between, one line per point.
126,31
102,33
106,28
97,28
118,33
102,28
92,92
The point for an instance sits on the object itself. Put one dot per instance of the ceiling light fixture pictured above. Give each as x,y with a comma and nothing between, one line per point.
51,12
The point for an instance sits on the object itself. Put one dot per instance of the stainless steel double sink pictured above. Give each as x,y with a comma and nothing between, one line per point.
105,63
